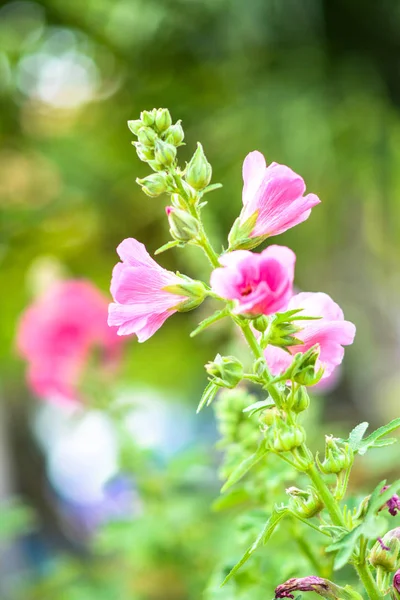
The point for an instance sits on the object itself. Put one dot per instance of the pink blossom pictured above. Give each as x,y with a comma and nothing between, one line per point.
396,581
57,333
258,283
331,332
138,286
276,194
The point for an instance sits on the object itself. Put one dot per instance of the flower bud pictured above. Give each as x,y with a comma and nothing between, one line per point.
198,171
323,587
338,456
175,134
396,585
147,117
183,226
144,152
163,119
194,290
165,153
261,323
303,368
135,125
225,371
298,401
147,136
385,554
306,504
283,437
393,504
153,185
177,201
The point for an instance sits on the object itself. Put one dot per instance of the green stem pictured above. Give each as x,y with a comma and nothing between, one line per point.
252,340
368,581
330,504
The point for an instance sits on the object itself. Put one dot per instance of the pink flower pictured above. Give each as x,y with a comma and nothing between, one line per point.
274,195
331,332
57,333
141,291
258,283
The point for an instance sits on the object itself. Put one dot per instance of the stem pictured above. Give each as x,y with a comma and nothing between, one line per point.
330,504
368,581
252,340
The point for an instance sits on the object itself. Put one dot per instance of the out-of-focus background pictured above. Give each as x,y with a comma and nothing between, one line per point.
314,85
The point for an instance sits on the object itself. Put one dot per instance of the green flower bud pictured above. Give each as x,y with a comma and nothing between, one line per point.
303,368
163,119
135,125
165,153
183,226
225,371
175,134
144,153
385,554
156,166
198,172
298,401
153,185
195,291
306,504
283,437
147,136
267,417
148,117
338,456
261,323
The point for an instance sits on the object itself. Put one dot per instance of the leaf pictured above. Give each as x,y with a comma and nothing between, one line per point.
267,531
345,546
372,439
335,531
167,246
212,187
357,434
233,498
208,396
257,406
244,467
220,314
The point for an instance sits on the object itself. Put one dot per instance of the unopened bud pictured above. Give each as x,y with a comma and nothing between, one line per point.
183,226
225,371
147,136
261,323
163,119
164,153
144,152
303,369
153,185
135,125
306,504
283,437
385,554
338,456
177,201
299,400
195,293
198,171
147,117
323,587
175,134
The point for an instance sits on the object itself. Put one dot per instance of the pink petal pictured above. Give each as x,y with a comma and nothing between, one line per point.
135,254
283,255
254,167
277,359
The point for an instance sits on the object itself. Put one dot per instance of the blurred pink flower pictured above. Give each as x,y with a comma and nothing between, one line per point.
331,332
259,283
57,333
141,302
276,193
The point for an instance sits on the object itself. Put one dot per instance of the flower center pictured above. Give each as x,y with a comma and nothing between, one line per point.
246,290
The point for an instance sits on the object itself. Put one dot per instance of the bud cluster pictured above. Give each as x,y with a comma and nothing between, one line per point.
225,371
306,504
282,436
339,456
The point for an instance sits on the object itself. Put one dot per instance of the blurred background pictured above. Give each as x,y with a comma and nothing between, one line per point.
314,85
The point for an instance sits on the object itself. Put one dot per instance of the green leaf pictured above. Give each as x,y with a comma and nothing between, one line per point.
257,406
211,188
345,547
267,531
167,246
232,499
208,396
244,467
357,434
219,314
372,439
